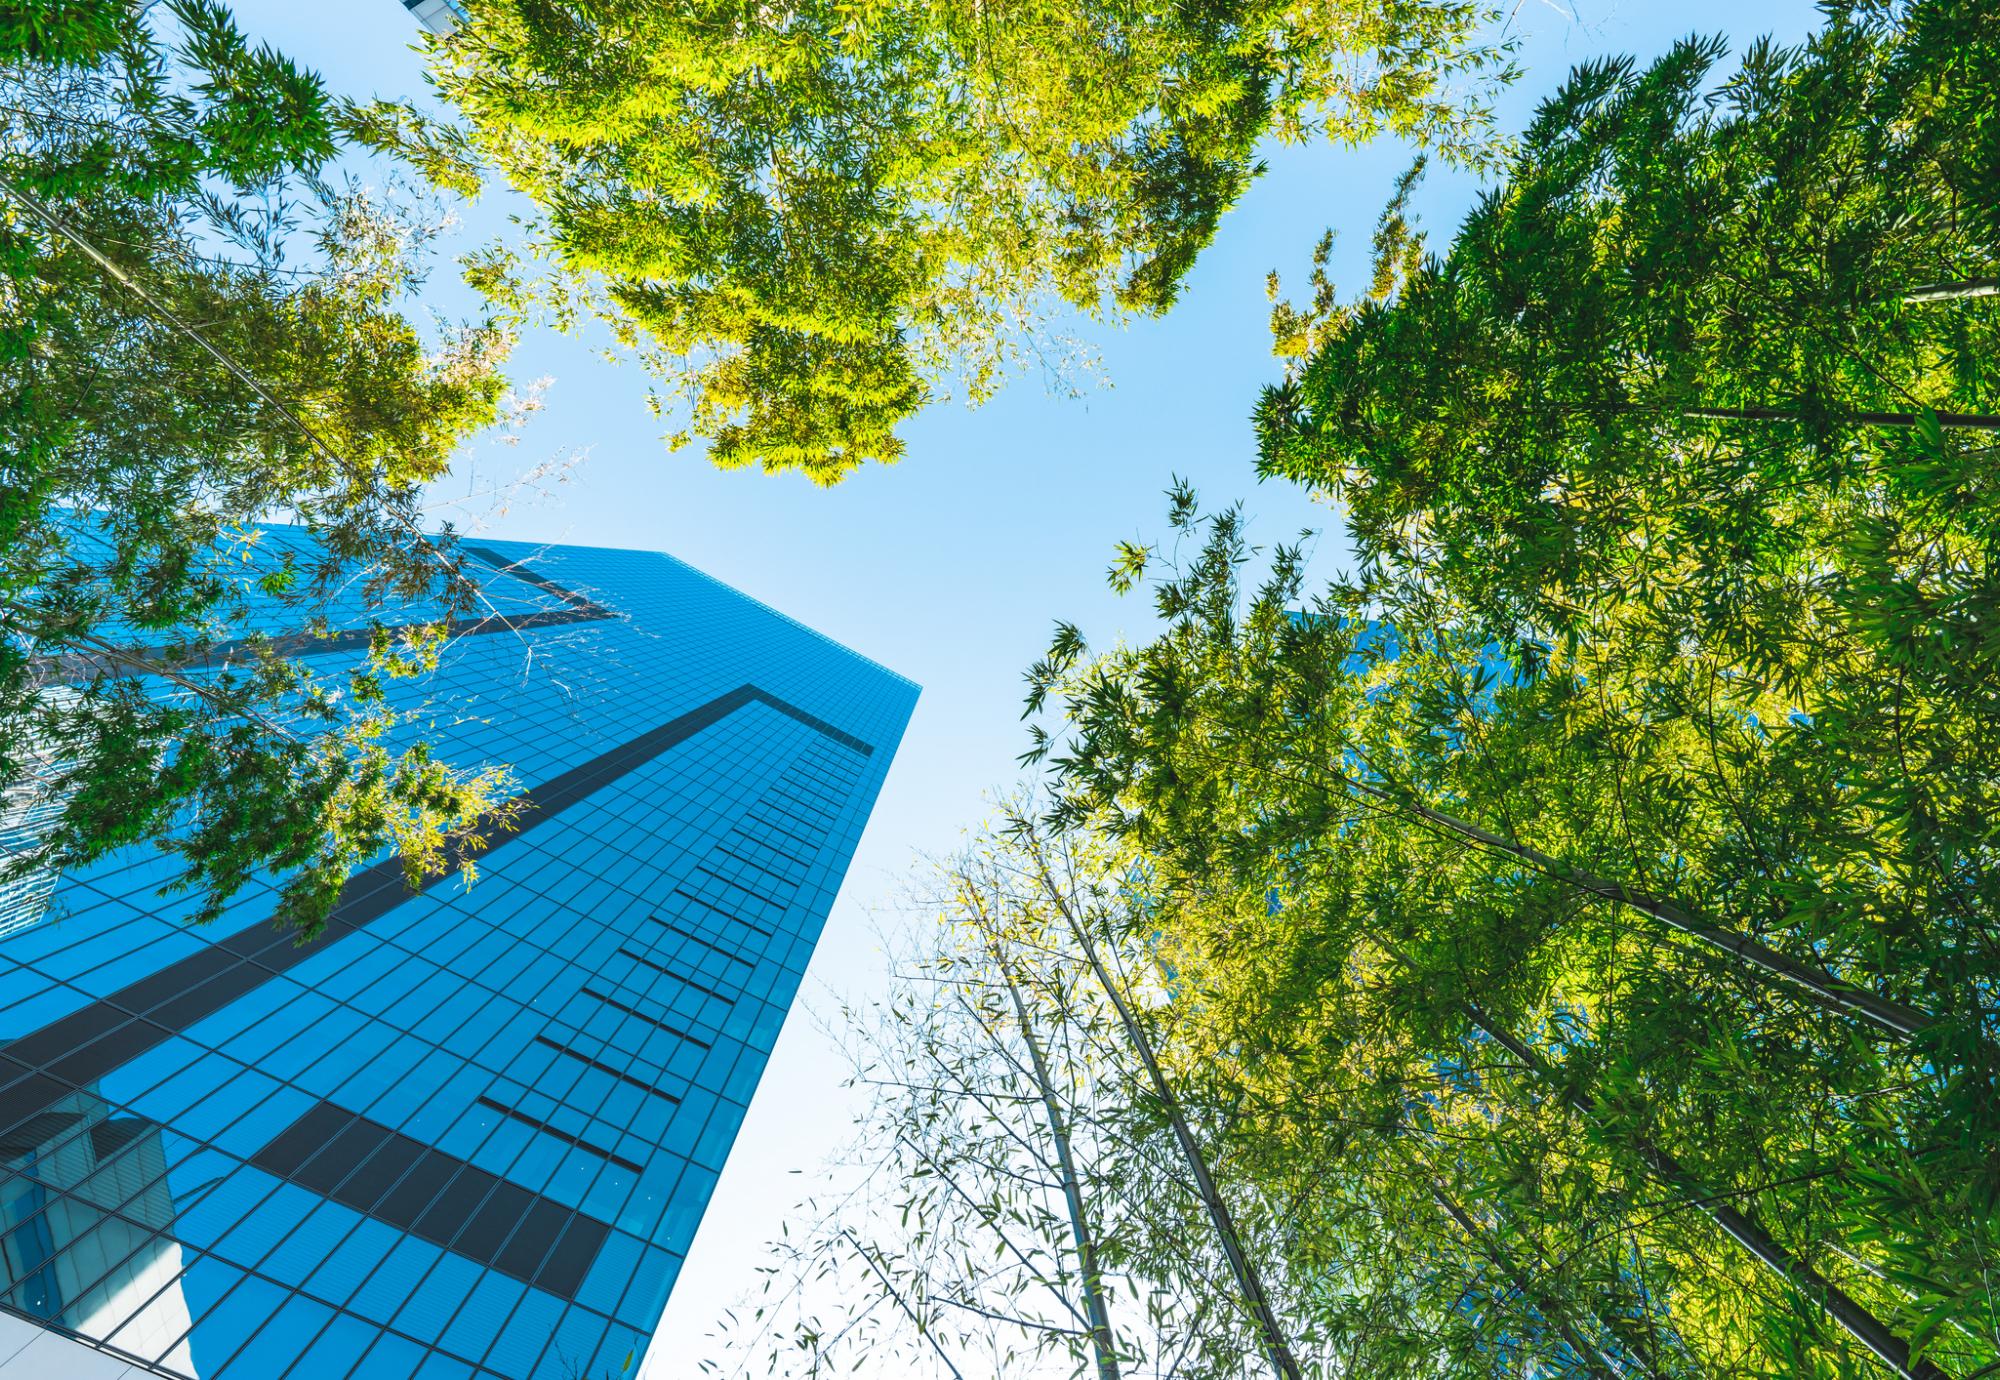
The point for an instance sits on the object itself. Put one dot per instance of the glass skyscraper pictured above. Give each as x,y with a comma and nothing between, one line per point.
467,1131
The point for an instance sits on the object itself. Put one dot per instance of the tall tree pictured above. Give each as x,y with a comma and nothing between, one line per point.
1692,335
1396,1236
199,333
1025,1200
1071,905
1701,388
1089,1255
1673,472
1477,1018
813,219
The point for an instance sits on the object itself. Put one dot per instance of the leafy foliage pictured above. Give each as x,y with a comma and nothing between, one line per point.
1692,422
1568,1097
1570,940
1023,1202
1657,358
1668,652
811,217
170,379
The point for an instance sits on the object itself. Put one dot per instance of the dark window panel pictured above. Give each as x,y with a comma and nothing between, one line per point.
365,1165
380,1172
70,1032
339,1157
36,1132
27,1095
407,1201
109,1051
523,1255
107,1138
454,1207
295,1145
175,979
562,1273
495,1221
180,1012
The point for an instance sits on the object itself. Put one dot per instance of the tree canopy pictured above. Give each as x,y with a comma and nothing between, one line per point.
814,219
198,333
1700,329
1604,875
1038,1189
1602,979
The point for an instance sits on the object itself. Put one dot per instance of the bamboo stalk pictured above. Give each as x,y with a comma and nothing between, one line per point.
1593,1360
923,1328
1974,421
1102,1344
1248,1281
1954,292
1852,1316
1900,1021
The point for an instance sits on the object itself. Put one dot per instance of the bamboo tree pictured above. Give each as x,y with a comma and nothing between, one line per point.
811,225
1902,1021
1646,314
1892,1350
1103,1344
998,1073
1675,601
1665,432
1955,292
1593,1360
1248,1278
1741,1227
1270,880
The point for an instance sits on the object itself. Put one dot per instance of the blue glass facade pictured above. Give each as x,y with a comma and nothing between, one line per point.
467,1131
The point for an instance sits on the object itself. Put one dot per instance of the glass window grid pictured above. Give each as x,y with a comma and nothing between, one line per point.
247,1220
305,995
832,831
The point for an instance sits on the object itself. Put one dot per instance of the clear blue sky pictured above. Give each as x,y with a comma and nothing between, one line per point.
951,566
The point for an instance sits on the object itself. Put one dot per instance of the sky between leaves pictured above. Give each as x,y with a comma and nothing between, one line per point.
951,566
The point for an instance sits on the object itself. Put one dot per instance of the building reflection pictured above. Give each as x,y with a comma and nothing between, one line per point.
84,1208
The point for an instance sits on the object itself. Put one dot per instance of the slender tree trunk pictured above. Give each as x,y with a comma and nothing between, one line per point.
1859,1323
1966,421
1954,292
1900,1021
1277,1349
1102,1343
1593,1359
981,1210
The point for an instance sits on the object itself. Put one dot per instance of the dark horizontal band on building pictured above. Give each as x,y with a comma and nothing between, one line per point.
419,1189
73,1051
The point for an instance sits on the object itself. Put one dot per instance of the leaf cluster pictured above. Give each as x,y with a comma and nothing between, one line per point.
811,218
1483,1044
197,335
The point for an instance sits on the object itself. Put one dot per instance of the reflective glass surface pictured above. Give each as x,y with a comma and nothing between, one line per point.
467,1131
